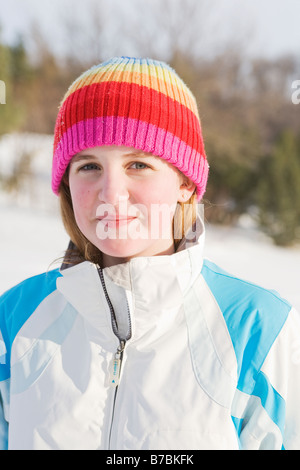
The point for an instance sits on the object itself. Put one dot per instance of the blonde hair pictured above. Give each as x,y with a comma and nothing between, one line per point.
82,249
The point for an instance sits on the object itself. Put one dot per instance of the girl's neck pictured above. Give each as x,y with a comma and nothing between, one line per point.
108,260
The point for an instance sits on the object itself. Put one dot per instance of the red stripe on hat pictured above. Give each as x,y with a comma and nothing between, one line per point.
131,101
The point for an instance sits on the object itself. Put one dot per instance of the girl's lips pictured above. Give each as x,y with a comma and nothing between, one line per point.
116,221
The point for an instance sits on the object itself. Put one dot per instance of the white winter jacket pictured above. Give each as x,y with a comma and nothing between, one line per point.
165,352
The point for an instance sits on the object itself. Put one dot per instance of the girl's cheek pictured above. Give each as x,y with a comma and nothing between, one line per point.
81,196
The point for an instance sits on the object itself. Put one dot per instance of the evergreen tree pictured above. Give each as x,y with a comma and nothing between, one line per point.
12,73
278,193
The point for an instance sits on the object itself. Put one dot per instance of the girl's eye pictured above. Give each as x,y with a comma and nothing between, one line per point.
140,166
89,167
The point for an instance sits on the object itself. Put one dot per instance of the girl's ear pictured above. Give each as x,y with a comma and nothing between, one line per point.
186,190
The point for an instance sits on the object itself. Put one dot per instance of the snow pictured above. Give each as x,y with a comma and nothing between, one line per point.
33,240
247,254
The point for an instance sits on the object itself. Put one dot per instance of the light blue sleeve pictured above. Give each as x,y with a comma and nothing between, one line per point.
16,306
265,333
282,366
269,417
4,396
3,421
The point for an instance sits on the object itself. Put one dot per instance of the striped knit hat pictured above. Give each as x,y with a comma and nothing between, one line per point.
140,103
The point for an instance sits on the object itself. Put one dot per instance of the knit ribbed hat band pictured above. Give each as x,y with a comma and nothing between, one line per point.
140,103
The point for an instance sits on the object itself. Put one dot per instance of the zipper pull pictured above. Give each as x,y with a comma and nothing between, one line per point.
116,366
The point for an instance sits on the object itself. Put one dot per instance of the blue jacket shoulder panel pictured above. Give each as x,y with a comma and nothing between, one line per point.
18,303
254,318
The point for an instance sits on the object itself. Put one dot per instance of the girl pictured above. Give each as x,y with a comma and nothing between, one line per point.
137,342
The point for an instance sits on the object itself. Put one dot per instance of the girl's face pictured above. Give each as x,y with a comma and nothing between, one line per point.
124,201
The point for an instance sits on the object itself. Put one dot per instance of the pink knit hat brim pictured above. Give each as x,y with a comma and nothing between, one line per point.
129,133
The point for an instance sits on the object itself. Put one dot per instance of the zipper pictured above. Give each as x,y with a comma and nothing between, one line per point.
118,356
116,365
112,312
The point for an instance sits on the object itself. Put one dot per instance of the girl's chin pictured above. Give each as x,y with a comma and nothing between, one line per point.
126,249
122,248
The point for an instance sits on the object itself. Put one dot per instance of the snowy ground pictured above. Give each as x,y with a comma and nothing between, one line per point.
251,256
32,238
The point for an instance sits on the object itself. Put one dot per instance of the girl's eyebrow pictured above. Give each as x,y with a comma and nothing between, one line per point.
138,154
78,157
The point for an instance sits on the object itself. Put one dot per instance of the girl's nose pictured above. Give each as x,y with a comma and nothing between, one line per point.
113,189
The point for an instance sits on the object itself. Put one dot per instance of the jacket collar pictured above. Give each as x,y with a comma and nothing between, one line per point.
158,280
186,263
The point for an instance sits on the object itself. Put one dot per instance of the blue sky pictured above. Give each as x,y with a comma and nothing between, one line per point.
273,24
